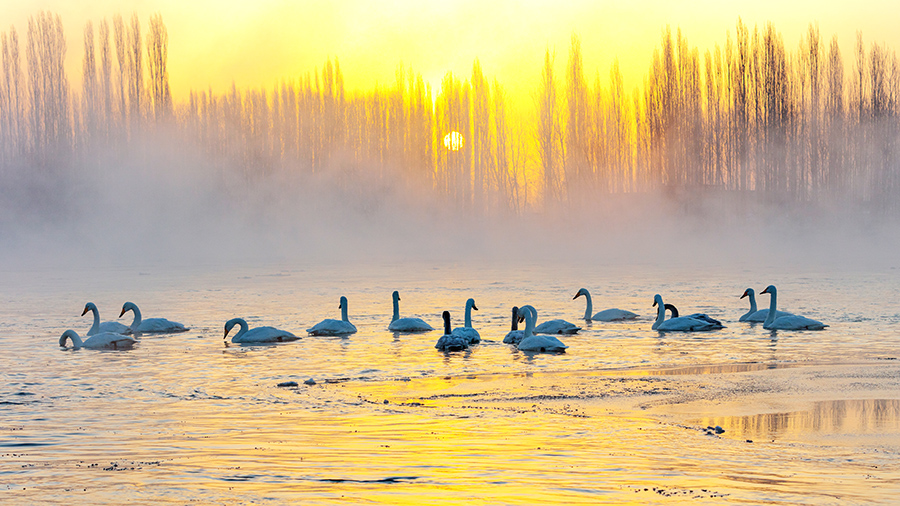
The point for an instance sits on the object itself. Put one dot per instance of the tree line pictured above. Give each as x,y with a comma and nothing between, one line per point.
751,117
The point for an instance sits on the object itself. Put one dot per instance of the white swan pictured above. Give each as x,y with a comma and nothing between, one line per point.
329,327
757,316
470,334
97,327
789,322
450,341
681,323
150,325
607,315
541,343
515,335
98,341
257,335
406,324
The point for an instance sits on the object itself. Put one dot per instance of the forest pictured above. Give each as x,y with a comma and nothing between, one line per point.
755,119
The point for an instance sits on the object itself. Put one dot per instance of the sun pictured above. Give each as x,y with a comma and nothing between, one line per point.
454,141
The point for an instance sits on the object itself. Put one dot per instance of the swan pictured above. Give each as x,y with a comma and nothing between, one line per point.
757,316
788,322
514,335
450,341
695,316
406,324
681,323
97,327
470,334
150,325
257,335
541,343
98,341
329,327
607,315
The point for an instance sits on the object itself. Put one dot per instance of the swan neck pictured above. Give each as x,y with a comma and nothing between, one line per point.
244,328
95,328
589,309
396,311
137,318
468,315
529,324
753,308
773,304
344,313
660,315
76,340
515,321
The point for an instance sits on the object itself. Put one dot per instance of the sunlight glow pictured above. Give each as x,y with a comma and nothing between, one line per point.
454,141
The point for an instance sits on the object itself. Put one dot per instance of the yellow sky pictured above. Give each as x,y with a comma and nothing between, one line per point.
215,42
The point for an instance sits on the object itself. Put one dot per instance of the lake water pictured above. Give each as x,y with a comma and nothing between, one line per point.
808,417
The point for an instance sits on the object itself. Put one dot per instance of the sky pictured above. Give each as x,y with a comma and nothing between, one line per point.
214,43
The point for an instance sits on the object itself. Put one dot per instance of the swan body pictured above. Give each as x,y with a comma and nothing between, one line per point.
537,343
514,335
789,322
754,315
406,324
329,327
150,325
681,323
468,333
98,341
450,341
556,327
258,334
607,315
97,327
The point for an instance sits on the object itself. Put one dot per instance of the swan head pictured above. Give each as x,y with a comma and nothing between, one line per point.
446,317
69,334
657,300
230,325
90,306
343,303
396,295
581,291
748,293
128,306
769,289
471,303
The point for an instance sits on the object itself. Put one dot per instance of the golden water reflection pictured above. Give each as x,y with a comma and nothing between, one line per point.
854,417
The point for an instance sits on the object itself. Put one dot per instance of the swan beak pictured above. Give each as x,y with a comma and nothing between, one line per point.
745,294
576,296
475,308
85,311
654,304
764,291
122,313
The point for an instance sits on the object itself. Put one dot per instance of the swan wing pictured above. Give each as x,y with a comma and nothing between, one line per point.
114,328
556,327
468,333
330,327
514,336
160,326
266,335
685,324
108,341
542,343
611,315
451,342
409,325
795,322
